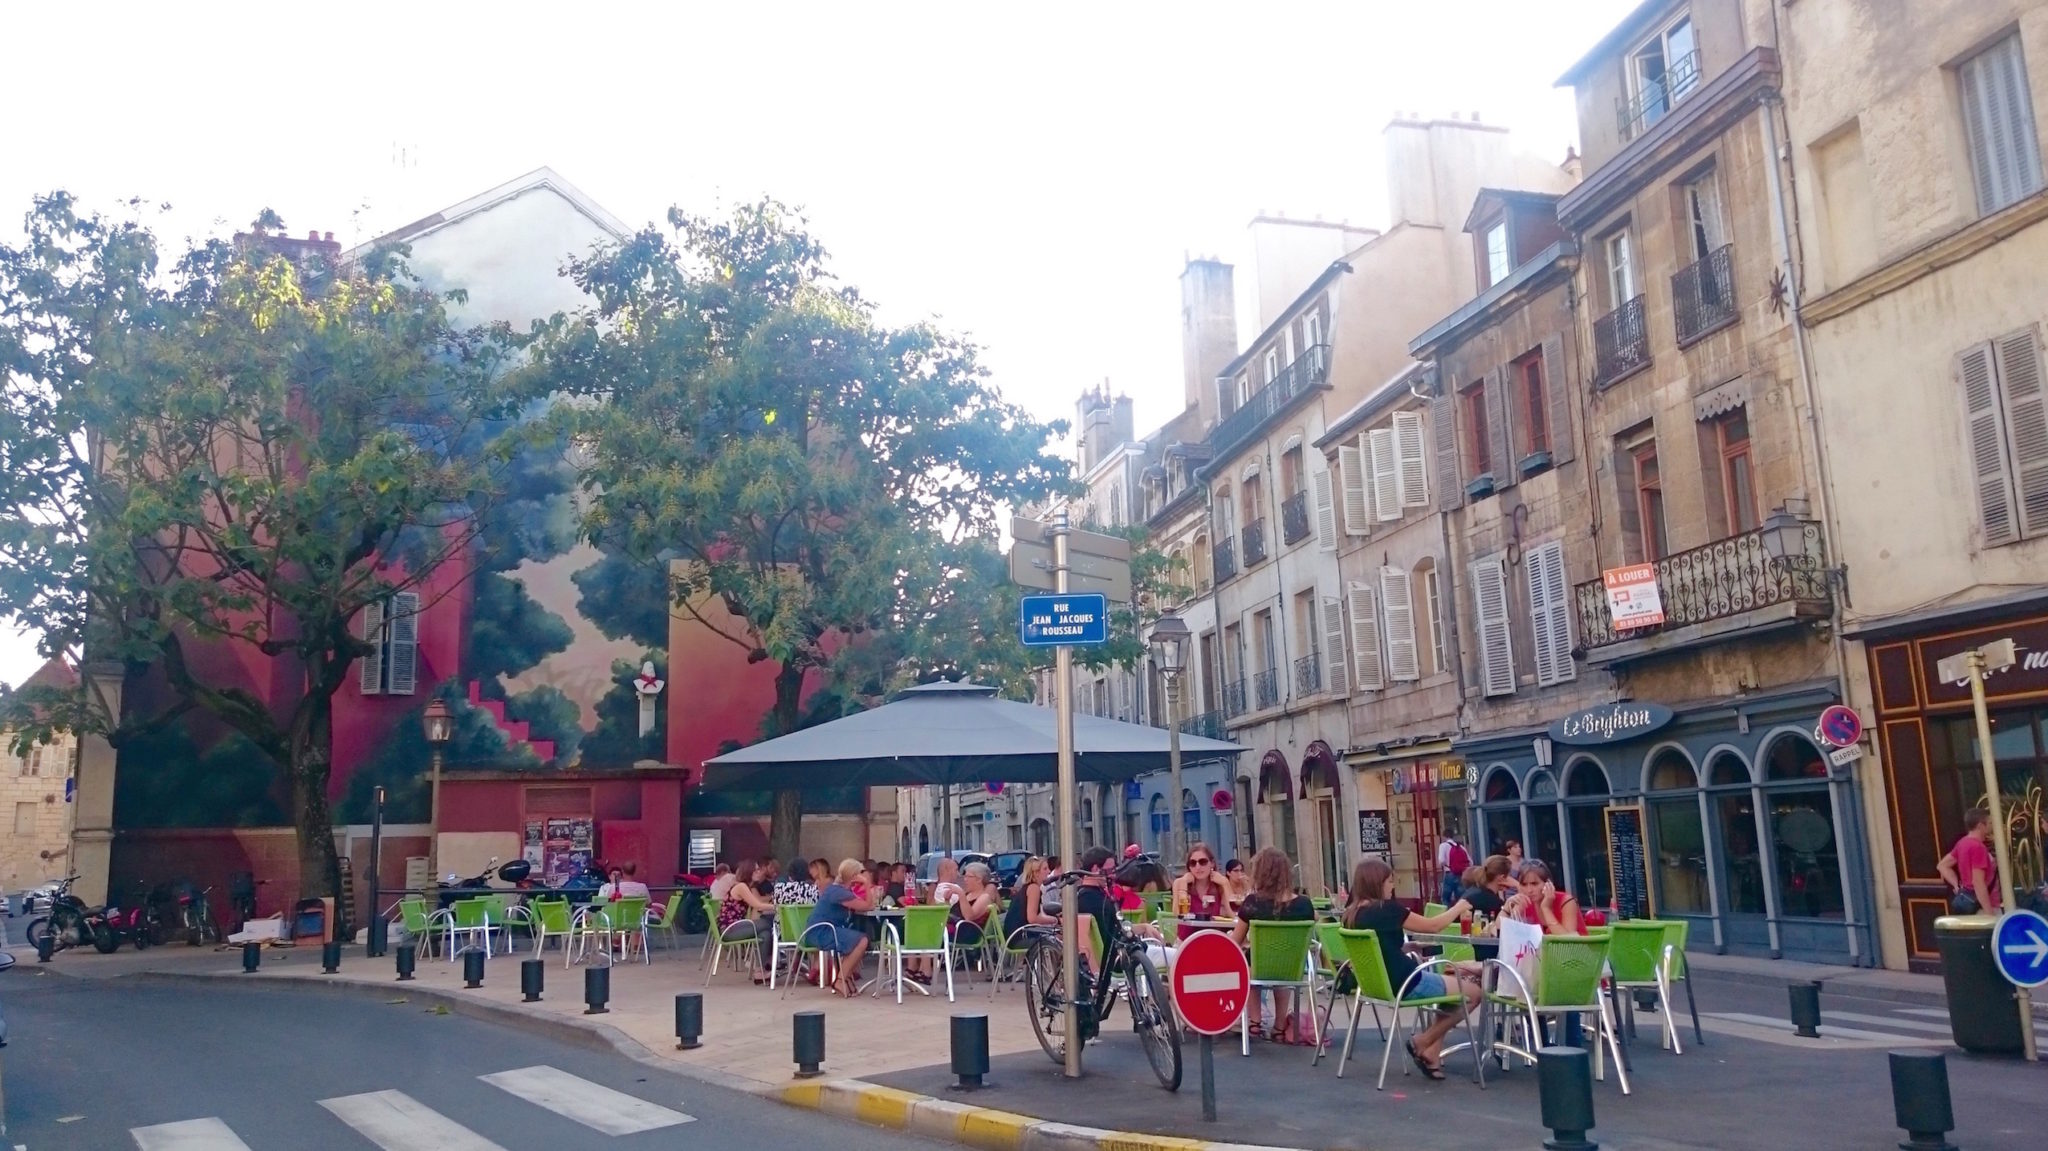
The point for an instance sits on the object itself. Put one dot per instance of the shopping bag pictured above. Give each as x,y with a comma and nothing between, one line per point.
1520,946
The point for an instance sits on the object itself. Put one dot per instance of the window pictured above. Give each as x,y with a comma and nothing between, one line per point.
1998,122
1272,365
1654,543
1496,647
2008,430
1738,482
1204,571
1550,615
33,763
1533,407
1116,507
1101,698
1397,599
1411,475
1254,506
1497,266
1244,389
1477,451
1664,71
1433,601
1226,517
1621,269
1700,201
1305,636
1311,331
24,819
392,630
1290,470
1287,345
1365,637
1680,847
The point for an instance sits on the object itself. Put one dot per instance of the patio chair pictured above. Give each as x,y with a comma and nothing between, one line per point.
502,915
1008,953
1157,906
1648,956
1374,987
710,906
419,923
742,949
925,933
471,920
666,921
797,935
606,923
1569,973
1333,966
549,917
1280,958
629,918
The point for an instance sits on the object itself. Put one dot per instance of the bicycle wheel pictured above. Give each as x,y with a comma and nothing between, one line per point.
1045,997
1153,1019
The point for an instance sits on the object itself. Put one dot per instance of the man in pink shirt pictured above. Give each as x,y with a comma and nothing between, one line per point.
1970,869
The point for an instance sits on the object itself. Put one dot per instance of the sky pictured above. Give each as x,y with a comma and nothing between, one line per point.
1032,176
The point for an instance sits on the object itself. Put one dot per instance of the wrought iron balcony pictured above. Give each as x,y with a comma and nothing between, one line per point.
1208,725
1226,559
1308,674
1294,517
1656,99
1710,593
1266,688
1254,536
1621,343
1703,294
1233,698
1310,369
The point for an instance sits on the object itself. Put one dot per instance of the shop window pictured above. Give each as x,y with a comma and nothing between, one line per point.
1956,777
1806,852
1585,784
1792,759
1500,786
924,838
1680,846
1742,879
1041,837
1727,770
1587,778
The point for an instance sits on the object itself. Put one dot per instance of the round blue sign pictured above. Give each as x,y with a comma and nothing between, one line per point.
2019,945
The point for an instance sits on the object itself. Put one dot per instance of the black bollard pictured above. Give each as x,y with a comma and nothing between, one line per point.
531,972
472,969
1805,1009
1564,1084
406,954
689,1020
970,1051
252,955
1920,1100
380,938
810,1043
330,958
597,988
46,945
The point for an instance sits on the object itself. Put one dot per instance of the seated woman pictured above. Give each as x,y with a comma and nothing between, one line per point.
1372,908
1541,904
1239,879
1199,894
1487,885
975,908
1027,903
837,905
745,914
1273,897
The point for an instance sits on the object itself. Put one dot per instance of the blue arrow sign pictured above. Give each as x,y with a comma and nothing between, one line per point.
2019,945
1061,620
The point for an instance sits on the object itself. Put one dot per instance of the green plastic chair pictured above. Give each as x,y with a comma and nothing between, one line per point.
666,921
710,907
739,947
1375,988
926,932
794,934
1649,956
470,918
1158,905
1432,910
628,917
549,917
603,922
1569,973
418,922
1279,952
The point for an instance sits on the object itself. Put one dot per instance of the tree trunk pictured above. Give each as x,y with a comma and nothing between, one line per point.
311,750
785,825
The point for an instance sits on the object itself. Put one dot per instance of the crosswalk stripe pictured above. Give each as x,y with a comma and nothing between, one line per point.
1887,1021
189,1135
396,1121
1826,1028
1928,1012
593,1105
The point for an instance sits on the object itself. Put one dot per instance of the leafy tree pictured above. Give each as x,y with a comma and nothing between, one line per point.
550,715
627,598
235,459
760,424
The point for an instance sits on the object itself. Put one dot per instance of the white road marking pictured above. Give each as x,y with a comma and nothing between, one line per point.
1226,981
1781,1031
1886,1021
396,1121
1927,1012
190,1135
595,1106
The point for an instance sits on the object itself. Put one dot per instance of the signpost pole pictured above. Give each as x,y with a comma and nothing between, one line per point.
1177,842
1063,710
1209,1078
1996,807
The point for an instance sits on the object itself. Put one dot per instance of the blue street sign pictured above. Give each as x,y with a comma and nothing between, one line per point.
2019,945
1061,620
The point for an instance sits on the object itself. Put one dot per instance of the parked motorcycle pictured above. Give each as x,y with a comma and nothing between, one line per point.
71,923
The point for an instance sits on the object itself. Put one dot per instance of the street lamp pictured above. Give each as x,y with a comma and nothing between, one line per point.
1169,646
1784,535
439,724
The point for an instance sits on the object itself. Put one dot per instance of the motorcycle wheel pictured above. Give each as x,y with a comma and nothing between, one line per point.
37,928
105,939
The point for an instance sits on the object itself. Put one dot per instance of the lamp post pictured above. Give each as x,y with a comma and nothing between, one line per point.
439,724
1169,647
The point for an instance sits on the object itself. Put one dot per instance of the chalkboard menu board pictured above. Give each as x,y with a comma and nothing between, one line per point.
1373,837
1628,869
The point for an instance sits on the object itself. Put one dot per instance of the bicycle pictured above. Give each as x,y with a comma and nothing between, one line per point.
1127,973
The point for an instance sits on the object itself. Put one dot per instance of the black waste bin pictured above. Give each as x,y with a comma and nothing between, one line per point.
1983,1012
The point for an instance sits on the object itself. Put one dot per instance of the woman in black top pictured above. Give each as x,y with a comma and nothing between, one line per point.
1485,884
1371,909
1273,897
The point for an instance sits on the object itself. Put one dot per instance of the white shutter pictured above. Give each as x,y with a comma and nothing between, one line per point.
1987,445
405,646
2026,425
1998,117
1550,614
1368,501
1386,492
1333,644
1365,637
1496,648
1357,507
1411,471
1326,512
1403,665
371,672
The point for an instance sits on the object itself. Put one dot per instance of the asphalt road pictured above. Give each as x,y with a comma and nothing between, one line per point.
89,1062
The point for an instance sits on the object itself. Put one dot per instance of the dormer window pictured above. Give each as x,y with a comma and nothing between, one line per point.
1497,263
1664,71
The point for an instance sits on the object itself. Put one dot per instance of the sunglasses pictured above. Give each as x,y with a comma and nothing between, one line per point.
1201,862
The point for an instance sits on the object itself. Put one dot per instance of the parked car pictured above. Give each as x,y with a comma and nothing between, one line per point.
928,863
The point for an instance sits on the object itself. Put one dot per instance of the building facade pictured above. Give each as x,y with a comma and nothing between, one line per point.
36,797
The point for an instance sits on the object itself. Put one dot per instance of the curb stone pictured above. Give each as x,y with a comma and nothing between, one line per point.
984,1128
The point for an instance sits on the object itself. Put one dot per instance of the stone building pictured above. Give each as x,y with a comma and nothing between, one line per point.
36,797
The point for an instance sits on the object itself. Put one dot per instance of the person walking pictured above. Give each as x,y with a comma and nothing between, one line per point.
1451,861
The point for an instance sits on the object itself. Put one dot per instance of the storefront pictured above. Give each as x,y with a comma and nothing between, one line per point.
1926,730
1727,814
1409,799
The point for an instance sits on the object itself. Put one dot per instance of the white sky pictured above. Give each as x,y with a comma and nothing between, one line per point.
1032,176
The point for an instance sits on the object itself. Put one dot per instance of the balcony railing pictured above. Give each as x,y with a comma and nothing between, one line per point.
1226,559
1720,581
1680,77
1294,518
1621,343
1703,294
1208,725
1233,698
1266,688
1308,370
1308,674
1254,536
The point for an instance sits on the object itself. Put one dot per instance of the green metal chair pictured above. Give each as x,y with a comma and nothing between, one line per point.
1648,957
1279,952
502,914
926,933
471,919
1333,967
710,907
1158,905
549,917
1374,988
606,923
1569,973
794,933
740,947
420,924
666,921
1432,910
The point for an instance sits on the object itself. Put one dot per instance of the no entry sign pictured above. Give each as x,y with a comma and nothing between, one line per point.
1210,982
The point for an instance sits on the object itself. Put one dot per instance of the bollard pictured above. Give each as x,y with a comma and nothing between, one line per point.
406,954
531,972
472,969
1564,1084
380,938
330,958
46,945
809,1027
970,1051
1805,1009
1920,1101
597,988
252,955
689,1020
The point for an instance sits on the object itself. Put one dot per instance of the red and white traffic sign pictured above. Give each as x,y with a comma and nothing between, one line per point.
1211,982
1839,726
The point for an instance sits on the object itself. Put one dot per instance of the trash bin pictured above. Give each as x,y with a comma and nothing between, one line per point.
1983,1013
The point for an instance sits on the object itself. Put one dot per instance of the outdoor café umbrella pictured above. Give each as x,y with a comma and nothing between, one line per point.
944,733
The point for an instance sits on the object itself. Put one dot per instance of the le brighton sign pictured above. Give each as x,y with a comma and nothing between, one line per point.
1611,724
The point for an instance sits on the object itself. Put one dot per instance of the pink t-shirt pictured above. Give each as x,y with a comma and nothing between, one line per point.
1971,857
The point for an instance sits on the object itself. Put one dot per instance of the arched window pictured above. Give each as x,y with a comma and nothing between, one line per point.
1180,577
1501,786
1587,778
1734,815
1546,832
1155,827
1679,868
906,845
1224,512
1041,837
1805,847
1190,815
1587,793
1726,769
924,838
1502,812
1793,758
1087,823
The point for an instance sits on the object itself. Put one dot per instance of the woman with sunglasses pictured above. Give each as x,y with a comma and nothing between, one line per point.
1199,894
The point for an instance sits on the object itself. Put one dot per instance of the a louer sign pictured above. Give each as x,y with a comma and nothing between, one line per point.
1610,724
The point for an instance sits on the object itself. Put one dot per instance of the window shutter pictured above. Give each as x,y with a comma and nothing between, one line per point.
1550,615
2004,154
1496,649
1357,512
1403,666
1557,396
1333,644
1326,512
1386,495
2026,424
1410,470
1365,637
1450,489
371,672
1987,445
405,646
1502,443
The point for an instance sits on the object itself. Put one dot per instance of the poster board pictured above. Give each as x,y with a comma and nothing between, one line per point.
1628,867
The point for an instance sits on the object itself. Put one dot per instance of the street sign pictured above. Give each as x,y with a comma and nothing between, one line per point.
2019,945
1210,982
1078,541
1840,726
1065,620
1031,566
